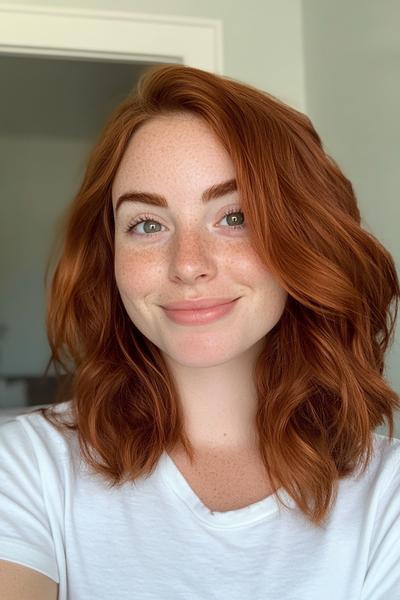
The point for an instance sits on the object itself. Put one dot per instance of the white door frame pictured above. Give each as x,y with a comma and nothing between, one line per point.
111,36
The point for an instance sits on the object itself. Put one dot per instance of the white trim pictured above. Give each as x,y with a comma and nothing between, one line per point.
111,35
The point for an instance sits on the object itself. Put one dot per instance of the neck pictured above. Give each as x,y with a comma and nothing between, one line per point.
219,403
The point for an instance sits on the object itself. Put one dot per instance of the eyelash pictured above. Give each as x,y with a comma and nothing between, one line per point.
145,218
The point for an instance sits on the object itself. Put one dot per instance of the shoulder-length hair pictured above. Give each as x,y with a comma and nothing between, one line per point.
320,378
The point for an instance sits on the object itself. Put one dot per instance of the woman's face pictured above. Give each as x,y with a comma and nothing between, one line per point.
188,249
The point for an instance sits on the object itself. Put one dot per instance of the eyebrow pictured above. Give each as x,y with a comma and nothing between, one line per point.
215,191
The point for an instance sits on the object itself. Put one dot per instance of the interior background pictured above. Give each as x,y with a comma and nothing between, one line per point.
336,61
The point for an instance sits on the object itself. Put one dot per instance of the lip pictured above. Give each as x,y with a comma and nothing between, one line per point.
199,303
200,316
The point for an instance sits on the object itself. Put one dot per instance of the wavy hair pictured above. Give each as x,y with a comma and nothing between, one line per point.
320,379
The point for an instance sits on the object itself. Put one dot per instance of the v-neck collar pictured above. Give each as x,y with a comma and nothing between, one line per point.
266,508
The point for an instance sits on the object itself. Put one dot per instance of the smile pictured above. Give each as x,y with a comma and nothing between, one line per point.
200,316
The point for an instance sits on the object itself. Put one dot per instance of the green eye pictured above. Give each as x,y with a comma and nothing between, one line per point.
235,222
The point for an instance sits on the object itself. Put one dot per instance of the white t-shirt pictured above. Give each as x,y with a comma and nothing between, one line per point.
155,539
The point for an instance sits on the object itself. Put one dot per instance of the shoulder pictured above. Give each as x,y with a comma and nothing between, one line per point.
383,470
30,437
382,527
386,452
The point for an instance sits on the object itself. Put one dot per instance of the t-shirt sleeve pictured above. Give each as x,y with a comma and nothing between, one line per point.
25,533
382,580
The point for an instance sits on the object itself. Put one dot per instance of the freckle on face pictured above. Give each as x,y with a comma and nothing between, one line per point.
179,158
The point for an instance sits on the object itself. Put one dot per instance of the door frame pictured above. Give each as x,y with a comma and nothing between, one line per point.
111,36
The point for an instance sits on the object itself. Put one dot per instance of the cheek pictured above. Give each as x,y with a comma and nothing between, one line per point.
247,261
273,300
135,273
272,296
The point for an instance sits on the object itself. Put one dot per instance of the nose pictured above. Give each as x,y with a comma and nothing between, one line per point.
192,257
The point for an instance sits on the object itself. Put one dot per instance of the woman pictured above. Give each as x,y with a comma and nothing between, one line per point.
224,317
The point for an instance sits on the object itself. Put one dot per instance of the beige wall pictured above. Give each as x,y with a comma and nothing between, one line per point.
352,67
247,26
54,110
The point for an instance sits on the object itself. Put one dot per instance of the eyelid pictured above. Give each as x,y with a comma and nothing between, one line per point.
149,215
140,218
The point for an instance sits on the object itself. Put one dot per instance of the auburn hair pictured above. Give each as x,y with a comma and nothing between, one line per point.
320,379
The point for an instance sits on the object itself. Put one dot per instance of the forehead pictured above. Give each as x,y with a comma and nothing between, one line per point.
173,150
